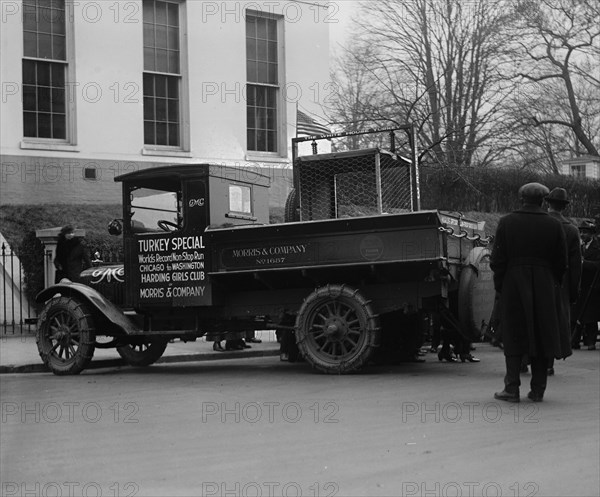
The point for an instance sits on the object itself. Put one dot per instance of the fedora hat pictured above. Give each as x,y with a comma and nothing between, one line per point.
558,195
587,226
533,191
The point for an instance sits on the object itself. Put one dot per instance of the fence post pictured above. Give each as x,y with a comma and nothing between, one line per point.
49,238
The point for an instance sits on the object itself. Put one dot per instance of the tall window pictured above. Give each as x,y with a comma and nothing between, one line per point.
262,73
162,73
44,69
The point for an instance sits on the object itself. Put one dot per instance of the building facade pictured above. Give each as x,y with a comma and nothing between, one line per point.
586,166
94,89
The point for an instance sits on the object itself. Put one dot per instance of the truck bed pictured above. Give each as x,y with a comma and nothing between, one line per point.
397,238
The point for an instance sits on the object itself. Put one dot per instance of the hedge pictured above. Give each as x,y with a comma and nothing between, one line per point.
495,190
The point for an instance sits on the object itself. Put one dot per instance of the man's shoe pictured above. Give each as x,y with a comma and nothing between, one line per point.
447,355
507,396
254,340
535,397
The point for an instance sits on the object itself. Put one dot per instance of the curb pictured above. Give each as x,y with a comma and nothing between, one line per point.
115,363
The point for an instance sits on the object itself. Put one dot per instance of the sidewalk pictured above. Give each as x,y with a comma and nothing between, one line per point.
19,354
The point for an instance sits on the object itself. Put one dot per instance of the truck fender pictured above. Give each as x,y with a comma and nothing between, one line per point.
96,300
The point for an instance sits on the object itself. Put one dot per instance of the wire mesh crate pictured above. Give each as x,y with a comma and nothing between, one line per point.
353,183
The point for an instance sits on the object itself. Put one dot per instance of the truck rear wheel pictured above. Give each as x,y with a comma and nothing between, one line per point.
337,330
145,352
66,336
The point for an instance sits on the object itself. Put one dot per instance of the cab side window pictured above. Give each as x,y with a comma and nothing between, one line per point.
240,199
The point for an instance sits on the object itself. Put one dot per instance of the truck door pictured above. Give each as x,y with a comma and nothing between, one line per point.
165,252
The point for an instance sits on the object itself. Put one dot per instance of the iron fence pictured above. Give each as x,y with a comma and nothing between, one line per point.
18,314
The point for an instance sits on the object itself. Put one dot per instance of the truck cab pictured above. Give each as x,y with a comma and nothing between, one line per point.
166,212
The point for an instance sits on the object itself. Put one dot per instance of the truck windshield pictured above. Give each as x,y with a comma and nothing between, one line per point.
155,210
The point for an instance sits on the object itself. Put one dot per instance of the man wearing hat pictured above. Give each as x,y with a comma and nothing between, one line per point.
529,259
557,202
588,308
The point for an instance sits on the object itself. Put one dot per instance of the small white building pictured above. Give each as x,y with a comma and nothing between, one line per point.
586,166
94,89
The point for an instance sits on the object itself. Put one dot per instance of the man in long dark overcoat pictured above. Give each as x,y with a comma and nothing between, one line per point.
529,259
557,202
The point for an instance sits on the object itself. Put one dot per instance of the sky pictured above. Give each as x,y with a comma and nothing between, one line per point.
341,12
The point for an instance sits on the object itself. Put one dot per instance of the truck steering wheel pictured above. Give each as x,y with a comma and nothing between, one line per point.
167,226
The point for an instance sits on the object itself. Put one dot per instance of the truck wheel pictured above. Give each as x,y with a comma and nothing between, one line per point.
143,353
337,330
66,336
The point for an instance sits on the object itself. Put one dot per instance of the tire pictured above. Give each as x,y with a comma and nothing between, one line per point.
65,336
292,207
144,352
336,329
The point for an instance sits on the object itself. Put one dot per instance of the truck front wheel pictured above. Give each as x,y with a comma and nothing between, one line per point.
337,330
144,352
66,336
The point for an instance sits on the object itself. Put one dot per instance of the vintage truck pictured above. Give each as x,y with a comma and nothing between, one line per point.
201,257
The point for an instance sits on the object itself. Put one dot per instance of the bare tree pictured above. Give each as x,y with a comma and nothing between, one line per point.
357,100
436,62
558,62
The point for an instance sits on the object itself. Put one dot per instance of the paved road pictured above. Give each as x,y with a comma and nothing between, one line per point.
260,427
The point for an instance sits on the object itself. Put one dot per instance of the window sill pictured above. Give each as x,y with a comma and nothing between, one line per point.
59,147
165,152
258,157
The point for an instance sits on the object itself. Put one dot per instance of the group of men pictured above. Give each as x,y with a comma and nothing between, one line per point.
538,262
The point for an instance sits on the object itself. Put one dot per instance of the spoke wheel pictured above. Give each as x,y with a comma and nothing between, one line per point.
144,352
336,329
66,336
